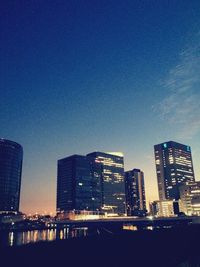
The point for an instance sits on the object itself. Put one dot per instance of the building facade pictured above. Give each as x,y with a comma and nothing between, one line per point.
190,198
153,208
11,157
135,193
79,184
164,208
173,167
113,188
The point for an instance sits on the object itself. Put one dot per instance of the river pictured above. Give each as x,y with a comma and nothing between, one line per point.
17,238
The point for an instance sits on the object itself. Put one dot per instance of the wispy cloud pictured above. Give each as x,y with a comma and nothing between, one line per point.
181,105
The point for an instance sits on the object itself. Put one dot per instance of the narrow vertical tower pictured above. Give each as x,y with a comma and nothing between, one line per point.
135,193
173,167
11,156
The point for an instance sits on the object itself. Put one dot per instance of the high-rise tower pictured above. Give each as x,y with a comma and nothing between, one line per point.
79,184
11,156
173,167
135,193
113,188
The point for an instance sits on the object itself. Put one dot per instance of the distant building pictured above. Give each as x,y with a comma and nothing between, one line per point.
79,184
135,193
173,167
153,208
11,156
190,198
11,217
113,189
164,208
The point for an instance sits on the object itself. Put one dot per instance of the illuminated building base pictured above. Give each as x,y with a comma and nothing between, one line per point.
80,215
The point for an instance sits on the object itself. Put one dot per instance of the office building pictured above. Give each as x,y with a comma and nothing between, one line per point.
79,182
164,208
153,208
173,167
113,188
190,198
135,193
11,156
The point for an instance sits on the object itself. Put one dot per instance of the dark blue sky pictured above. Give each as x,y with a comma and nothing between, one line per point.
80,76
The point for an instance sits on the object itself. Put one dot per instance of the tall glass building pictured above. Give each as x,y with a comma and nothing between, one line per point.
173,167
135,193
79,181
113,188
11,156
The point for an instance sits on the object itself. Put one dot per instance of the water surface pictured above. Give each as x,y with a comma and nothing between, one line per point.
18,238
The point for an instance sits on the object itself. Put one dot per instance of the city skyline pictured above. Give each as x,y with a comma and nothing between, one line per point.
109,166
79,77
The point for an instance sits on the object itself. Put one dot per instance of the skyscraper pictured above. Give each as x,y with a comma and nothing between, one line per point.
11,156
113,188
135,193
173,167
78,184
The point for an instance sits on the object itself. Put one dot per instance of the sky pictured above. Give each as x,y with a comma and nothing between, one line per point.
82,76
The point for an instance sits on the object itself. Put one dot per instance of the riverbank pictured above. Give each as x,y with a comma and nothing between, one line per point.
162,248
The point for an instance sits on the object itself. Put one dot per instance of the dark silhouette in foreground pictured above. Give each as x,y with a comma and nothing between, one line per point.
177,247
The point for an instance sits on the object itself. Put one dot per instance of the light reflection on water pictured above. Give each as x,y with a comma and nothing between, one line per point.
26,237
